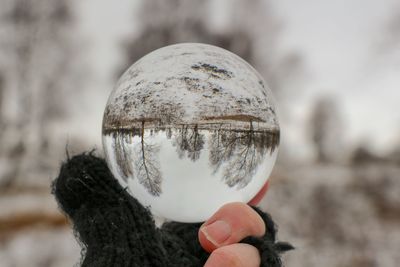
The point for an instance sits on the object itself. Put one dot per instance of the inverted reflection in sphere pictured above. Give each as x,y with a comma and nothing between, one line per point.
188,128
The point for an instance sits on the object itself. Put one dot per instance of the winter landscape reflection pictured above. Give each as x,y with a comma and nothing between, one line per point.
187,139
237,152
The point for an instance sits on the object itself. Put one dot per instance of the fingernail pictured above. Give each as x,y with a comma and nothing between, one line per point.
217,232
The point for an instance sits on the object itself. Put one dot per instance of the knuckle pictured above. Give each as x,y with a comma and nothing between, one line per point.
244,220
250,222
226,257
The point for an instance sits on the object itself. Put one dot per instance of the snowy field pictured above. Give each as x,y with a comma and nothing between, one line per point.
334,215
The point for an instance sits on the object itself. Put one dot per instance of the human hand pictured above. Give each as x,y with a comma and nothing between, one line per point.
220,235
116,230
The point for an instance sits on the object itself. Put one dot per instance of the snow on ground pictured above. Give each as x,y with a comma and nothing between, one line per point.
205,81
40,248
338,216
33,232
335,216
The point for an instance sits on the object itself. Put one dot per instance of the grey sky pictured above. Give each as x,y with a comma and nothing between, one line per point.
339,40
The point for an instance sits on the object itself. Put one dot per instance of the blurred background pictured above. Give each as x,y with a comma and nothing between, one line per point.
333,67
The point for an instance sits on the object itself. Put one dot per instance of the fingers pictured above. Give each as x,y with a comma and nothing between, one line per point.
236,255
230,224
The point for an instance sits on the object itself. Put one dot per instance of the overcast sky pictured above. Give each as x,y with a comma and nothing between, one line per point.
339,40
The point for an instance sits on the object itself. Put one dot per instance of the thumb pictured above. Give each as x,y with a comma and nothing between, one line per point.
114,227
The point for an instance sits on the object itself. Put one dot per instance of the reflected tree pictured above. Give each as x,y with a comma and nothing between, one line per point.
168,133
141,162
147,166
240,152
244,161
189,142
222,143
123,154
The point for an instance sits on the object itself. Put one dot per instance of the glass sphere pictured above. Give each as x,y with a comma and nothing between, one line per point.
188,128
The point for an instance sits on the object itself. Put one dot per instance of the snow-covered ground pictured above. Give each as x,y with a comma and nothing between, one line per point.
338,216
33,232
335,216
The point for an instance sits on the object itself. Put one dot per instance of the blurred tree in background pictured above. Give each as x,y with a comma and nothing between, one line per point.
388,45
39,78
326,130
252,32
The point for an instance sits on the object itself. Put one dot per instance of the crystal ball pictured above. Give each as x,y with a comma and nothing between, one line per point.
188,128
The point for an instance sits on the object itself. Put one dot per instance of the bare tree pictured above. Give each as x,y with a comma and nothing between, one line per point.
326,129
37,50
258,22
167,22
389,45
189,141
147,166
243,163
240,153
123,155
220,148
1,106
253,34
135,157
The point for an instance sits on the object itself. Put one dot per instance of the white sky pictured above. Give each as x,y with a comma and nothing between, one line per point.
338,39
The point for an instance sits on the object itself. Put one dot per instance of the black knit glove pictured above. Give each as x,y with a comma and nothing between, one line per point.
116,230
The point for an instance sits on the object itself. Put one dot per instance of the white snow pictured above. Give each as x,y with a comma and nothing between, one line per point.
190,81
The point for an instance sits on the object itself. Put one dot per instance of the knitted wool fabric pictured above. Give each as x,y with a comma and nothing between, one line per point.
116,230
